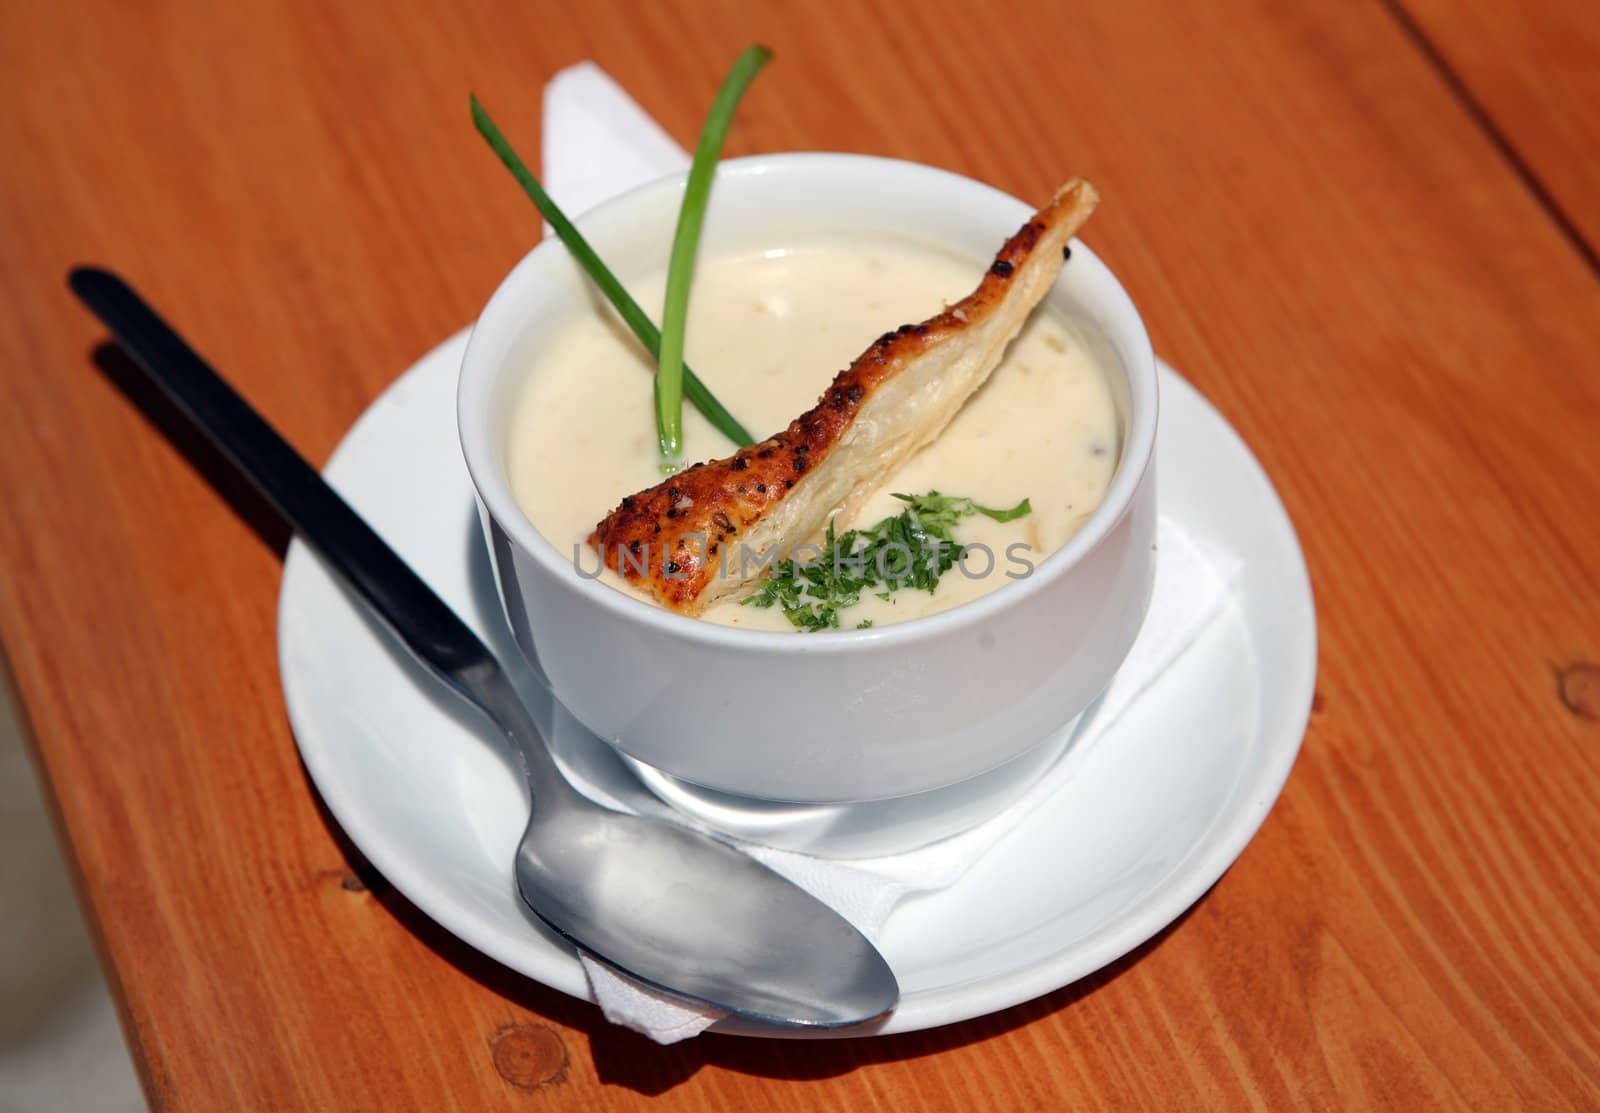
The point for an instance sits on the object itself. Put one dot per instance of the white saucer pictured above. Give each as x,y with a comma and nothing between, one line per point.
1134,838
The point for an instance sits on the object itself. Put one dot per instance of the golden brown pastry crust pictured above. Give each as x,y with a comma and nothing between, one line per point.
683,531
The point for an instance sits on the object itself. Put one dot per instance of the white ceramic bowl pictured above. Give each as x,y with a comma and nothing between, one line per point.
838,716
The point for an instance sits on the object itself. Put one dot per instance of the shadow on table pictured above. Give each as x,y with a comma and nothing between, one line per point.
204,457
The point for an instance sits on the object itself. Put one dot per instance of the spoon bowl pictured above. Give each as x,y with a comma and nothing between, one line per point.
631,891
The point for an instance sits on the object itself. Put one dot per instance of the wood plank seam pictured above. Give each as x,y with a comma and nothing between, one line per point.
1497,138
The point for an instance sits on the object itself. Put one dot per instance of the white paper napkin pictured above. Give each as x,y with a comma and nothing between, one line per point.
597,143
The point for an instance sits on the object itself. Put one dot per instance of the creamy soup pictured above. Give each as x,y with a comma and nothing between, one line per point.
767,332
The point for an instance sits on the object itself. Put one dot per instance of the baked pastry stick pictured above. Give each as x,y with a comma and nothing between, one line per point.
698,536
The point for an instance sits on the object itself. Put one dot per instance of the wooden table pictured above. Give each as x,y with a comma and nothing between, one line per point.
1367,232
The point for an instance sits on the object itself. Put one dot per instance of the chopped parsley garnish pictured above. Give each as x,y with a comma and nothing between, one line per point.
911,549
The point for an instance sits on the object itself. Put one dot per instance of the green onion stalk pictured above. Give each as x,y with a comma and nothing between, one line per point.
670,371
632,315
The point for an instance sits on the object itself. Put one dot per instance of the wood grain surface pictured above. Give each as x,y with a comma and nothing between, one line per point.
1321,234
1531,71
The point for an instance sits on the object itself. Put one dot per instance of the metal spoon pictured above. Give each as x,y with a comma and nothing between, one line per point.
662,904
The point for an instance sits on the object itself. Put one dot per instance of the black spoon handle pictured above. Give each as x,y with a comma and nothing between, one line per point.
423,621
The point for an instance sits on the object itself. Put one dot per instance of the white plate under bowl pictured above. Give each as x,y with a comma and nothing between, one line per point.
1136,836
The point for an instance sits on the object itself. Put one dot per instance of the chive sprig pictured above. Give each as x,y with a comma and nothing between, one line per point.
632,315
670,370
